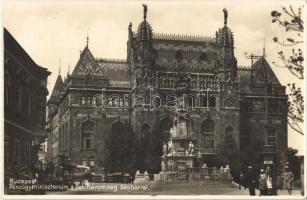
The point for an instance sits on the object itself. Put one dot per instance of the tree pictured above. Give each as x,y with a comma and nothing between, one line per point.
294,162
229,155
251,154
119,147
292,22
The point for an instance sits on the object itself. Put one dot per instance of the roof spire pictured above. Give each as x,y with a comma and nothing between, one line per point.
60,67
145,11
87,38
225,16
263,50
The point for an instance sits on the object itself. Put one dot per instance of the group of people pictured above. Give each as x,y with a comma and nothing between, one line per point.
264,181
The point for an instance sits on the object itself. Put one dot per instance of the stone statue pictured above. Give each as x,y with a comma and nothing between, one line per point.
173,132
163,165
186,152
225,16
227,169
164,148
191,148
180,103
204,165
145,10
182,127
170,146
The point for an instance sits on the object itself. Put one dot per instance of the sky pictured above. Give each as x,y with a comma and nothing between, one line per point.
54,32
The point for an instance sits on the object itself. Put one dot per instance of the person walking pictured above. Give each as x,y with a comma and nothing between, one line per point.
241,181
251,181
262,183
288,179
269,185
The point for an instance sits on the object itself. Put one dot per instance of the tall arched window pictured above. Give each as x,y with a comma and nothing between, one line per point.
203,100
88,135
89,100
207,131
212,101
271,136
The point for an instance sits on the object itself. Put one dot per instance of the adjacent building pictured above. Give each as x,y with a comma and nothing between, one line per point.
25,100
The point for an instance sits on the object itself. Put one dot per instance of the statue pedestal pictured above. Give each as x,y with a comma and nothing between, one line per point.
178,162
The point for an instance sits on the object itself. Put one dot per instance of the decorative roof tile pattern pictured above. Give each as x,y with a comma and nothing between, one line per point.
115,70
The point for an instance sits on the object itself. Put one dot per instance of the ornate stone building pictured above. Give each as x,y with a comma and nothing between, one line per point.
142,91
25,91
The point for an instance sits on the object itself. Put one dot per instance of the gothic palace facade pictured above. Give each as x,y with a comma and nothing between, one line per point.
222,98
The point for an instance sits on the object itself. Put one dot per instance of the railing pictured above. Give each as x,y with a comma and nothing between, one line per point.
206,150
200,174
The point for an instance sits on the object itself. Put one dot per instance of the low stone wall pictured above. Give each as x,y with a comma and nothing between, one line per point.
190,174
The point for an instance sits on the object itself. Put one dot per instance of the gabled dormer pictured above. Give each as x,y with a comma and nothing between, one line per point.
86,66
263,74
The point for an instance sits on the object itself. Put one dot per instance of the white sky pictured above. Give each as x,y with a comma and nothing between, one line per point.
55,31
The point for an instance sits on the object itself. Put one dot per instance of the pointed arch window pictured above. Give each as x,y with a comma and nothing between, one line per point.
88,135
207,131
89,100
228,131
145,130
212,101
203,100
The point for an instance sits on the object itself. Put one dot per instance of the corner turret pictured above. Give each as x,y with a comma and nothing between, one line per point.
225,46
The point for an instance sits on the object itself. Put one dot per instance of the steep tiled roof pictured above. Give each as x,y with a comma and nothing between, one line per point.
115,70
56,92
262,70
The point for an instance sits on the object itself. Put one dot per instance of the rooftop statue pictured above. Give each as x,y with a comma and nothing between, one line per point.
225,16
145,10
